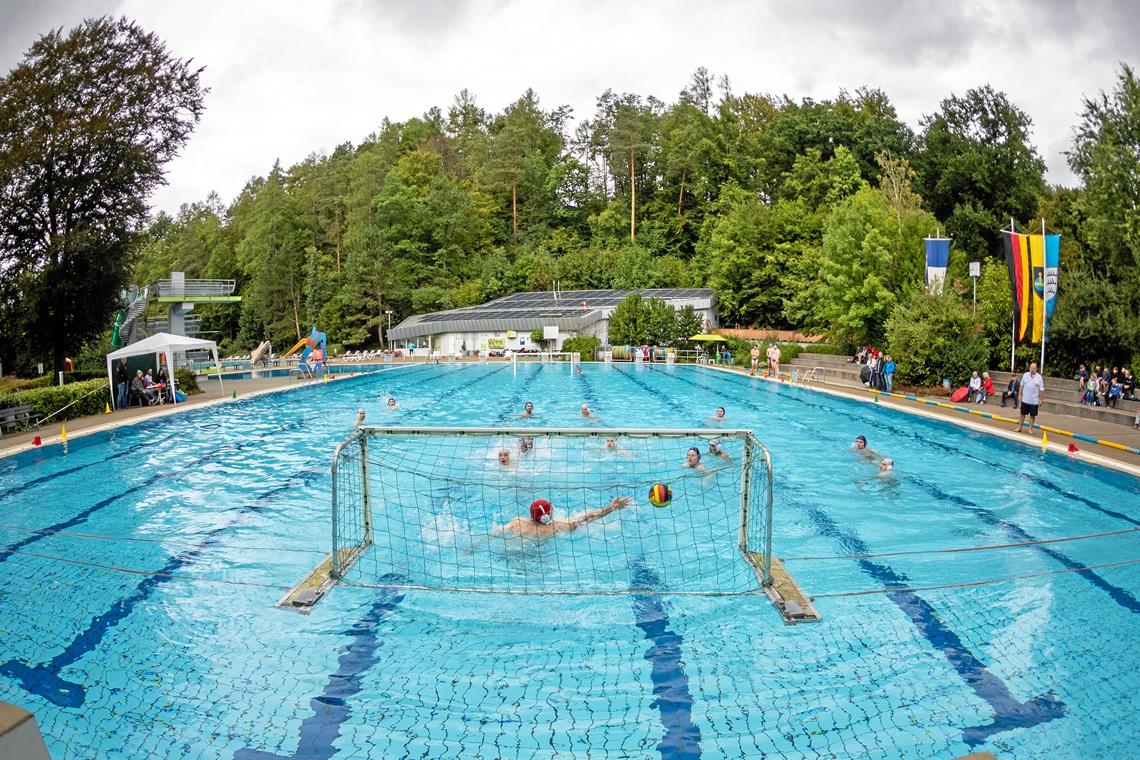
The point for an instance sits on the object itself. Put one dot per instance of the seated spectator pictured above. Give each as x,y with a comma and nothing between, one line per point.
1010,392
1114,392
1127,384
976,388
1082,377
138,387
987,387
1091,386
1102,390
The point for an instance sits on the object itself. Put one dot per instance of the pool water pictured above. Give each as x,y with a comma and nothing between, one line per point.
142,567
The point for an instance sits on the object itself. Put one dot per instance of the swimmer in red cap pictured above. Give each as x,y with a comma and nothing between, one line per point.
542,524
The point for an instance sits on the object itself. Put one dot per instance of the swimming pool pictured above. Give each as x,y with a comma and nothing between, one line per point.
215,512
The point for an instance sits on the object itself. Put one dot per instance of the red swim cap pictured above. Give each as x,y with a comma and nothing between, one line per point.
540,508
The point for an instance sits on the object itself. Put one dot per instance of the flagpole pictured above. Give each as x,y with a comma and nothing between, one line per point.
1044,296
1012,320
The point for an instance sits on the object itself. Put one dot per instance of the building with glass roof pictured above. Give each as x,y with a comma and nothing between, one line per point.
508,322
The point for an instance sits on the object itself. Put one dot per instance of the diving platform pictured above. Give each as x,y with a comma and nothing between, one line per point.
793,604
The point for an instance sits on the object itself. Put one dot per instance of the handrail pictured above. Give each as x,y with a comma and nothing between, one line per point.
197,288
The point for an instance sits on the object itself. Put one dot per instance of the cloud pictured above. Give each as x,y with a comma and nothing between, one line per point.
27,20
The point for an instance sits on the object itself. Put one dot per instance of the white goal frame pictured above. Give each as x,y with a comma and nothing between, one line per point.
352,502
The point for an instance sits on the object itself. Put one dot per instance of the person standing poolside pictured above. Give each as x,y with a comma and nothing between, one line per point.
542,524
755,354
889,373
122,384
776,361
1032,390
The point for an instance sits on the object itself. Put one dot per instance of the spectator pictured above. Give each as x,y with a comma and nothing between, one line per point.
140,389
122,384
1010,392
1082,377
889,373
1114,391
1127,385
976,388
1091,386
987,387
875,363
1032,391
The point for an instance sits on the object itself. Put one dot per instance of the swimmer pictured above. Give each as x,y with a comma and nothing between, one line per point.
359,420
578,368
528,410
862,450
392,403
693,459
716,451
541,523
586,411
611,445
719,416
504,458
885,468
525,444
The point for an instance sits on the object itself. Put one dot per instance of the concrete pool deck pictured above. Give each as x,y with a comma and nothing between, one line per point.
1109,457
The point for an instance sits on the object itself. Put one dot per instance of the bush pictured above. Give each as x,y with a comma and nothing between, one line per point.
186,381
89,397
934,336
584,345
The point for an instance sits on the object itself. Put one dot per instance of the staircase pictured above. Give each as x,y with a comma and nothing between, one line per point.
137,308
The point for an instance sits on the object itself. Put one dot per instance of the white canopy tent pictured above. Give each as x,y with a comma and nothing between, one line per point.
167,345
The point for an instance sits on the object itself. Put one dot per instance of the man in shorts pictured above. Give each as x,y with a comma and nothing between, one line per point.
1032,390
755,359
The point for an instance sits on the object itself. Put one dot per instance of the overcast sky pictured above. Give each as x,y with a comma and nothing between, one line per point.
292,77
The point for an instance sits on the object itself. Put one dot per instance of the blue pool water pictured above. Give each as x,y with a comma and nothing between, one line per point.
215,512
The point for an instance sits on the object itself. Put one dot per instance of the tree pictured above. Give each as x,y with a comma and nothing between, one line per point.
932,337
977,169
1097,317
88,121
629,322
689,323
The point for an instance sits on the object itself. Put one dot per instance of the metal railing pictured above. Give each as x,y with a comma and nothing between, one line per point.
197,288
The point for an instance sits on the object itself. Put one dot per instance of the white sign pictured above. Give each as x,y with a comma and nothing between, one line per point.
975,269
550,332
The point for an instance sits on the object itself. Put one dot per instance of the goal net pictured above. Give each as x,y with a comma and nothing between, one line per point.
545,357
465,509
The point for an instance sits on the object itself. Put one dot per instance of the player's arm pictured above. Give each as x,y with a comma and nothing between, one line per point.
590,515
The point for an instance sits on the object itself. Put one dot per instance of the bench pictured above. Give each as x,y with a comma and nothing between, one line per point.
18,418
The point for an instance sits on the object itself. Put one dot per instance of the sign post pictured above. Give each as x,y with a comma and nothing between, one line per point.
975,272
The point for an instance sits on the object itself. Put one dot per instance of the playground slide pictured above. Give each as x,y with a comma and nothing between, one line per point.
297,347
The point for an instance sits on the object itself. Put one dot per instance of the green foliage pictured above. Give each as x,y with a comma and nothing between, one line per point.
1097,318
977,168
584,345
637,322
88,121
932,337
186,381
85,398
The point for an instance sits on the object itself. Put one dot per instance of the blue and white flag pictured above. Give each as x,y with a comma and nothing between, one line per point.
937,256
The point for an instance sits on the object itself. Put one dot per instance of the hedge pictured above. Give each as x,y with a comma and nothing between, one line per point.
585,345
90,397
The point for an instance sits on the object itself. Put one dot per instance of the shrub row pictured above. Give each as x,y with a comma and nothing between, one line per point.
89,397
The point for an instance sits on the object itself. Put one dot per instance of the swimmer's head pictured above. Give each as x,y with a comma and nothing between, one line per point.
529,407
886,464
714,446
504,456
585,410
611,443
360,415
391,401
860,441
526,444
720,411
541,511
693,455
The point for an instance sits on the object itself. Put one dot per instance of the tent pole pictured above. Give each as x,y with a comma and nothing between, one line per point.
170,377
218,369
111,380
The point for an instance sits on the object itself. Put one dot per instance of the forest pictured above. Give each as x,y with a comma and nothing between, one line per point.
800,213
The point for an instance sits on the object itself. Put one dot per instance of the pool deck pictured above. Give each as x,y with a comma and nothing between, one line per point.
1109,457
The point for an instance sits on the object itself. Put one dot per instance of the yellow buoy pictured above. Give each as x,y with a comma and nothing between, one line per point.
1044,441
106,408
63,433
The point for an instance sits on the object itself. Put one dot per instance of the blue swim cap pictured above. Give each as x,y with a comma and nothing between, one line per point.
862,438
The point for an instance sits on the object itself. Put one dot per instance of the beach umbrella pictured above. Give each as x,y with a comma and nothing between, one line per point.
709,338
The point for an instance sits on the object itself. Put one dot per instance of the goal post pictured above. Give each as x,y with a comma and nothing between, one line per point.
545,357
451,509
